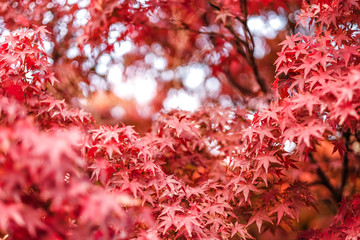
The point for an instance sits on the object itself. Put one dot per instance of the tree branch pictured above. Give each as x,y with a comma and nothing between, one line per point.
324,180
245,47
243,90
345,172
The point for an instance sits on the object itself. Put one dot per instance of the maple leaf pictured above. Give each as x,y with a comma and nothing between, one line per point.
265,131
82,115
134,186
348,52
345,94
308,65
280,60
151,166
288,162
172,184
110,148
249,133
107,133
165,142
129,132
245,188
223,15
290,42
198,191
42,30
285,68
217,208
180,125
50,77
170,210
59,104
258,218
11,212
300,50
33,219
268,115
166,223
308,100
187,221
314,129
265,160
240,229
346,110
323,59
215,223
97,167
339,145
62,146
299,81
283,208
319,78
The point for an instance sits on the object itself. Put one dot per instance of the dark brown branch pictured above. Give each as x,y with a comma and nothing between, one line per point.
240,44
245,47
185,27
213,5
263,85
243,20
345,172
249,56
243,90
324,180
243,7
357,135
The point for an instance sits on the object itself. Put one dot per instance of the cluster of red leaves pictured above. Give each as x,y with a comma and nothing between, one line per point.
319,99
345,224
63,177
211,174
45,188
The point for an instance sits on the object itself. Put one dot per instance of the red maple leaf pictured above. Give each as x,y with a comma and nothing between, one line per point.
283,208
258,218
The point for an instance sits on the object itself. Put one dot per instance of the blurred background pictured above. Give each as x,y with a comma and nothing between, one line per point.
127,60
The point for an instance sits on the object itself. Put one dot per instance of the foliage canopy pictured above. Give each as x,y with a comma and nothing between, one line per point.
220,172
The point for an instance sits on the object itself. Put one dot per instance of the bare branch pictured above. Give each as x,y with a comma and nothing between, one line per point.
245,47
324,180
345,168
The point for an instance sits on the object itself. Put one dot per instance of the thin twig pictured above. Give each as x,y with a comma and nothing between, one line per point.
245,47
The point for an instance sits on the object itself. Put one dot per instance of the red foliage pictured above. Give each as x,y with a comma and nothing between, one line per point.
215,173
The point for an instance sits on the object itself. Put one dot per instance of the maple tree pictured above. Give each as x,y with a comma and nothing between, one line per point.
276,164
